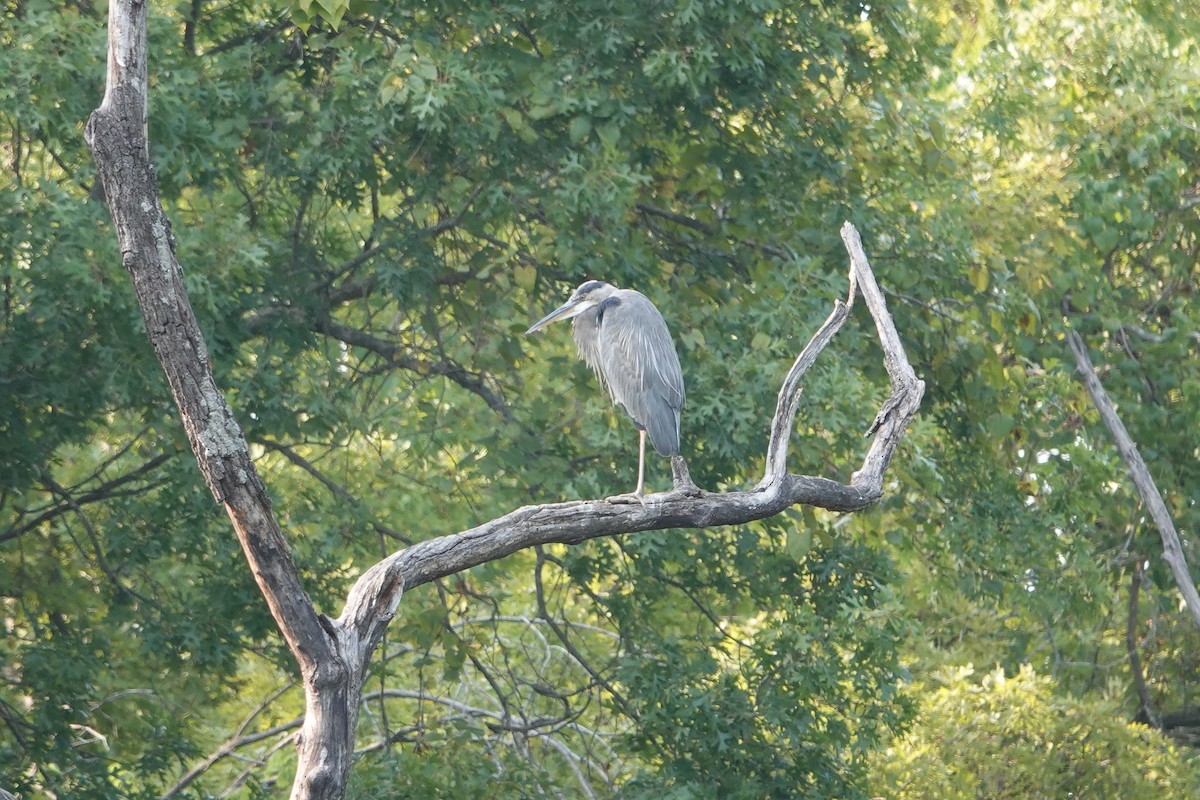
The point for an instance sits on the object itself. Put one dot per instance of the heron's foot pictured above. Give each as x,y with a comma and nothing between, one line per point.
626,499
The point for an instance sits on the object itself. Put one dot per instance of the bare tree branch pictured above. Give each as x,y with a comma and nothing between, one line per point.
1140,474
333,655
532,621
238,740
116,134
372,601
570,648
227,749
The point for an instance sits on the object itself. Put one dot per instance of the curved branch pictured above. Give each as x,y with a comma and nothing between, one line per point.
333,654
573,761
373,600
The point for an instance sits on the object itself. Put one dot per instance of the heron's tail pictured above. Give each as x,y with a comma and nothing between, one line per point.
663,432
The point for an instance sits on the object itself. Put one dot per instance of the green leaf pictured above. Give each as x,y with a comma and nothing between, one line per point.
579,129
799,543
332,11
525,277
980,277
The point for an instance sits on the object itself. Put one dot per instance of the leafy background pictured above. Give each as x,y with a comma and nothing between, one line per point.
373,199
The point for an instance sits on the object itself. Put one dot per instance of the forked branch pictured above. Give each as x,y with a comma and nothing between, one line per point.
373,600
333,654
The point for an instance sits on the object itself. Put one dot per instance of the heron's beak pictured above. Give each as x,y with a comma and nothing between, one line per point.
571,308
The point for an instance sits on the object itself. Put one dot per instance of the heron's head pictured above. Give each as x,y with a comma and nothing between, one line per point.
589,295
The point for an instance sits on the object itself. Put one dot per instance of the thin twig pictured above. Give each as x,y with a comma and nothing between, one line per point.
562,636
1131,646
105,491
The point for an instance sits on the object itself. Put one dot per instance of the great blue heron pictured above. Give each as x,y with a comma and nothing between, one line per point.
624,339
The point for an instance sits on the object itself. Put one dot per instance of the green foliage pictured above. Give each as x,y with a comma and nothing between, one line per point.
371,201
445,764
1012,737
787,701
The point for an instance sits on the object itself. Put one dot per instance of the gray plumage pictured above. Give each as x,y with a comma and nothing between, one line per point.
624,339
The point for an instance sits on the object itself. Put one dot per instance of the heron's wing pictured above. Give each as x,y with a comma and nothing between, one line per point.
635,356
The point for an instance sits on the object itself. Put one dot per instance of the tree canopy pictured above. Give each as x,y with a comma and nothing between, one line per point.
372,201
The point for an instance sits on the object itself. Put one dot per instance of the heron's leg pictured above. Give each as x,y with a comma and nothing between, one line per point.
636,495
641,463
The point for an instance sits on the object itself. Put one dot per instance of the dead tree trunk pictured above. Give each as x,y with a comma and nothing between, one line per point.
333,653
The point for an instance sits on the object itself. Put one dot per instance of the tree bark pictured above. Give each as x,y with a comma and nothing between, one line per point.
1140,474
116,134
333,654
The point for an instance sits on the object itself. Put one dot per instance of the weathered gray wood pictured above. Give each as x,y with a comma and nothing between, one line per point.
373,600
333,654
116,134
900,408
1140,474
792,389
